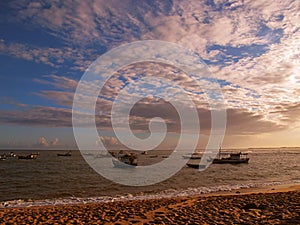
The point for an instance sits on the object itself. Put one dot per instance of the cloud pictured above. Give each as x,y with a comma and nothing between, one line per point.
54,57
60,82
42,142
62,98
37,116
239,121
88,22
241,113
251,46
110,141
55,142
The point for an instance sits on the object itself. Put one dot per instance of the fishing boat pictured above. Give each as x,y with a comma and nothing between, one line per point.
103,155
195,155
122,160
224,158
65,154
10,155
231,157
29,156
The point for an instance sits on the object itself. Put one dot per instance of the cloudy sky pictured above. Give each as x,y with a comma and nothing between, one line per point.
251,47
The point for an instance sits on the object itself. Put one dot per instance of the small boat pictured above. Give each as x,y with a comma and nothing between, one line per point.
231,157
195,155
65,154
10,155
103,155
122,160
29,156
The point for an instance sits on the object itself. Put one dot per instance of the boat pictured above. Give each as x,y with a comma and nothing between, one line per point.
103,155
122,160
231,157
10,155
65,154
195,155
196,166
29,156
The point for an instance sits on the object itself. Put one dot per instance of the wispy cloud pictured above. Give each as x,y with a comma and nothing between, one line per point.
252,47
37,116
54,57
241,120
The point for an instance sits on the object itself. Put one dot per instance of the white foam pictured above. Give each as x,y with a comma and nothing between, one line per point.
20,203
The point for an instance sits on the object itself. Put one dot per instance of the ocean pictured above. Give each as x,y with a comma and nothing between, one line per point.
50,179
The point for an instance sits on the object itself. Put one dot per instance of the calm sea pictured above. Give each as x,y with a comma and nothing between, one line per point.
50,179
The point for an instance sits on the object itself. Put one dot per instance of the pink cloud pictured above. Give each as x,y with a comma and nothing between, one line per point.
54,57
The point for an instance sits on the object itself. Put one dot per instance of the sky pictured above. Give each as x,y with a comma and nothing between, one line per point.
252,48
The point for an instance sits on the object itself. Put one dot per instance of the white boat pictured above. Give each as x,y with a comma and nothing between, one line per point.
122,160
10,155
231,158
195,155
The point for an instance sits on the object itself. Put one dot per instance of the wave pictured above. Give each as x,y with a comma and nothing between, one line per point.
171,193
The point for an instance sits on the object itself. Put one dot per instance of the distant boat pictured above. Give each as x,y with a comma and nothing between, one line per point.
122,160
65,154
29,156
103,155
231,158
8,156
224,158
195,155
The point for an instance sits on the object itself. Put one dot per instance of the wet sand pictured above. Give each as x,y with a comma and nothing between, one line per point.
270,205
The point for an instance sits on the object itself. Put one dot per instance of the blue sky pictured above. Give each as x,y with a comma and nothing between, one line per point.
251,47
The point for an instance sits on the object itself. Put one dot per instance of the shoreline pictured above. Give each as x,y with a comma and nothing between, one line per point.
267,205
256,190
222,190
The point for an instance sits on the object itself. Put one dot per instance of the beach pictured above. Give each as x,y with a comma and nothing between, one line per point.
269,205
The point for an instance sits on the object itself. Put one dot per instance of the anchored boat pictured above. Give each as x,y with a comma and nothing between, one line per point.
224,158
65,154
122,160
231,157
195,155
29,156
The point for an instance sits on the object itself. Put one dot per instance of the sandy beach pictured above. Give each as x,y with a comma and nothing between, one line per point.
280,205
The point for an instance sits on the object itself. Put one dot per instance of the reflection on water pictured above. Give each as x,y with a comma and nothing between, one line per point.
50,176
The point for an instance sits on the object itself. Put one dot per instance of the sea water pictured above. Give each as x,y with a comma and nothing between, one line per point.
52,180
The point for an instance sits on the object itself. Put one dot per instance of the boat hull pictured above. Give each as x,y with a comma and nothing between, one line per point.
119,164
64,155
230,161
30,156
196,166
